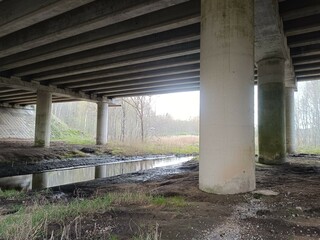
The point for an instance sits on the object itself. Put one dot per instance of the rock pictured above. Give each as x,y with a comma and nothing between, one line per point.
87,150
266,192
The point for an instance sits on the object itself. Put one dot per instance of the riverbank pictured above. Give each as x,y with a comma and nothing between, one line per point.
168,205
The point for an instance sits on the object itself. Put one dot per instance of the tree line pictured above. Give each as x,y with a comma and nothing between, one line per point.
133,120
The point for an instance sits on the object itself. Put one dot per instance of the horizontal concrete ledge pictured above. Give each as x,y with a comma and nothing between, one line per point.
15,82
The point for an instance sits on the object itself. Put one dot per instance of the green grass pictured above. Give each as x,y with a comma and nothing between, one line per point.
61,132
120,149
31,222
71,136
176,201
12,194
309,150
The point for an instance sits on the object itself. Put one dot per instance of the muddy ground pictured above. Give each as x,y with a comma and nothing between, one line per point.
17,151
292,214
20,157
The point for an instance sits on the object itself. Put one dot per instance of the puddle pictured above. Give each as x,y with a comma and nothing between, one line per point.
63,176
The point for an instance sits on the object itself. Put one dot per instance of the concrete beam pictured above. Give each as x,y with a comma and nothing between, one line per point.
24,96
304,39
146,86
304,79
34,100
6,90
151,42
31,86
305,60
146,93
132,69
14,93
178,50
160,21
136,76
16,14
270,41
97,14
305,51
307,67
155,79
302,25
308,73
159,90
291,10
269,37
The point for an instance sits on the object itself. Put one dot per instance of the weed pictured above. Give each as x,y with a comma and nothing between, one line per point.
176,201
12,194
113,237
119,198
31,222
152,233
33,218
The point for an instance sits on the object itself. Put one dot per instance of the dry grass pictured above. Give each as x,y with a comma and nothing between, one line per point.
162,145
33,221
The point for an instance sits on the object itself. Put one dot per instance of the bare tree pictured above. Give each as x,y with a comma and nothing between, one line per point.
141,105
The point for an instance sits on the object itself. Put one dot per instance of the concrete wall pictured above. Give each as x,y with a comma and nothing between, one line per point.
17,123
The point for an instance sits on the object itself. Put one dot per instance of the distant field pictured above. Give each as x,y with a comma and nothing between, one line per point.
186,144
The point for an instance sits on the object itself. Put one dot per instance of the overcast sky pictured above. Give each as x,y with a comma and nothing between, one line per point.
182,105
178,105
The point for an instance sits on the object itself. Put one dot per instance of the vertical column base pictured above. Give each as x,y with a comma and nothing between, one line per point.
43,119
271,111
290,121
102,123
226,164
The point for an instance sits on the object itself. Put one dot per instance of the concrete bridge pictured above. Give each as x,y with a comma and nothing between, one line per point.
97,50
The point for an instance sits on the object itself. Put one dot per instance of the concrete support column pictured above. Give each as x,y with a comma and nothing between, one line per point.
43,119
102,123
290,120
271,111
226,97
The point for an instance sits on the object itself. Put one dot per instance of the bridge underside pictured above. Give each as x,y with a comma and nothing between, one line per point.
97,50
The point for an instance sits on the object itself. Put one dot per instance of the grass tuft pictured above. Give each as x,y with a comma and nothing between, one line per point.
31,222
176,201
12,194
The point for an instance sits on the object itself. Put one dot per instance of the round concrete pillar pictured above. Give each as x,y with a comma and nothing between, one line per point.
102,123
290,121
271,111
226,97
43,119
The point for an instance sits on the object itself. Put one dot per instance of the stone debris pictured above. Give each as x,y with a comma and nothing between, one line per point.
266,192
